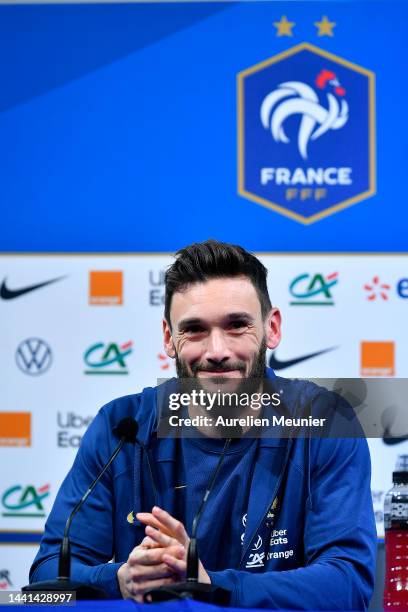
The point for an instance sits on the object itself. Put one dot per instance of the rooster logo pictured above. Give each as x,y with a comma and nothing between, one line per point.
297,98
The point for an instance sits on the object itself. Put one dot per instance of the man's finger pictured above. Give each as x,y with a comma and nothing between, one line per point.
153,556
136,591
148,542
171,525
160,538
179,566
141,573
148,519
145,556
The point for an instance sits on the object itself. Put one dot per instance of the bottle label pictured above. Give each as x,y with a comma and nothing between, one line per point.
396,515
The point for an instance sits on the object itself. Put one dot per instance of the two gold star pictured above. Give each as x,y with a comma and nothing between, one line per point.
284,26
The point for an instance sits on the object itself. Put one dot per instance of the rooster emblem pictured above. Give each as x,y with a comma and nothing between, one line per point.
297,98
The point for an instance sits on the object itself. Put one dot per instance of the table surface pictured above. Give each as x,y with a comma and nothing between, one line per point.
130,606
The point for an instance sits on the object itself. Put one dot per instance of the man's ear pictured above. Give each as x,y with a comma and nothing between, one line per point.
168,340
273,328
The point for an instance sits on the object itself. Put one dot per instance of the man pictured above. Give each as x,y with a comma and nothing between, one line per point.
289,523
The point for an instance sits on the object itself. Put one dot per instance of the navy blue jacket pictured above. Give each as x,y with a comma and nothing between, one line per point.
317,491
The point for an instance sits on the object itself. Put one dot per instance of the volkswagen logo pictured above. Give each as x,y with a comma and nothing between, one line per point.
33,356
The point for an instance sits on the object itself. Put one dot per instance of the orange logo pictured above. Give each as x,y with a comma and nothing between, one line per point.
15,428
106,288
377,359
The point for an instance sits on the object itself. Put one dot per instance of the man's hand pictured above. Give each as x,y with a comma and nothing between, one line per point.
167,532
145,569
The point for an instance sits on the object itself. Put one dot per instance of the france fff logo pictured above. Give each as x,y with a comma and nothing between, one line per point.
306,133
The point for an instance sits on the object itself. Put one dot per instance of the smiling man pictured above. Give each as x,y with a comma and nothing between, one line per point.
289,522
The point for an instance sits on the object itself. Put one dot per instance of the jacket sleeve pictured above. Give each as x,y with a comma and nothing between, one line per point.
339,541
92,531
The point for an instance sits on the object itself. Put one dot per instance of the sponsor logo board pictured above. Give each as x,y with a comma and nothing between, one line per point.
11,293
105,288
69,426
24,501
377,290
15,429
34,356
107,358
377,358
156,291
313,289
281,364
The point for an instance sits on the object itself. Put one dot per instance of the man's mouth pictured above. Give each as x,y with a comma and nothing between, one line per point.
219,373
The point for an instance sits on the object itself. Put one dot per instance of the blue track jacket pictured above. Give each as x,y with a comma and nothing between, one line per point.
317,490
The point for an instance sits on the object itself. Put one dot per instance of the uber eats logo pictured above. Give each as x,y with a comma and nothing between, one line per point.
156,287
71,427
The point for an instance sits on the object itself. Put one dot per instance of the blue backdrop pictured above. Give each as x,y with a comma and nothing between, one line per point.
118,125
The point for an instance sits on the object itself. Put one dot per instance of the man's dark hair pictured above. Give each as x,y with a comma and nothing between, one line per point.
202,261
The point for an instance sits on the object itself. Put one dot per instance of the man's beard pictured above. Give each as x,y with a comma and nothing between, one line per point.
249,384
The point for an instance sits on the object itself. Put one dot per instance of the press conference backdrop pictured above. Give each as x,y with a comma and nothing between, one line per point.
129,131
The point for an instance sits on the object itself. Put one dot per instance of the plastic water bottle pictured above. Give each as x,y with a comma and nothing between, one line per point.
396,539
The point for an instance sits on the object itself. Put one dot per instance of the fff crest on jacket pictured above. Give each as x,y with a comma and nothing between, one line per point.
306,132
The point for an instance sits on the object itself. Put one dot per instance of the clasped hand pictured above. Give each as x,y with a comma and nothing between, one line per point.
160,559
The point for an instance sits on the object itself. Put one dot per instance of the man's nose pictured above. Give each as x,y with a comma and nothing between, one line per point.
217,346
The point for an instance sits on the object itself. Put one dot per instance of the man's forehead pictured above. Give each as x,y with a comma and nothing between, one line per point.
216,297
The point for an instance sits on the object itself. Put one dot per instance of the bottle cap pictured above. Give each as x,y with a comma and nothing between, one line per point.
402,463
400,476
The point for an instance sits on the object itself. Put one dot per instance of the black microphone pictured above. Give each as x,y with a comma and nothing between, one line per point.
192,588
126,430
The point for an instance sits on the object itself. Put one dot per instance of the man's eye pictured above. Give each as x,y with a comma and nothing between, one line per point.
194,329
237,324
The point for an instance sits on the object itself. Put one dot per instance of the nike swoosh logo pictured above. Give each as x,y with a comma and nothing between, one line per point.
391,440
276,364
11,294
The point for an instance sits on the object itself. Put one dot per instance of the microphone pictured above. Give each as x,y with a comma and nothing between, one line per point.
126,430
192,588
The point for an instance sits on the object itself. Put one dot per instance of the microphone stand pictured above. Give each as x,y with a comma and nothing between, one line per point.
127,430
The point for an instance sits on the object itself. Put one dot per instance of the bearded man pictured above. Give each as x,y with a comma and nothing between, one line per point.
289,522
